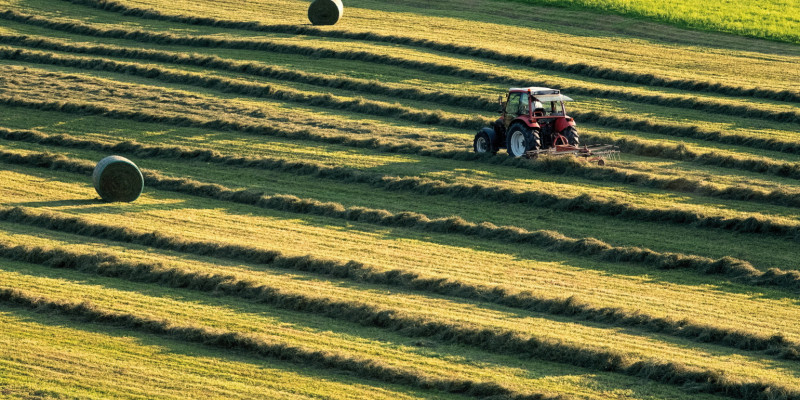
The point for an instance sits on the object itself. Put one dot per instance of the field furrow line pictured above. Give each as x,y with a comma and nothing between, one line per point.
111,266
313,208
268,71
361,106
393,145
730,267
250,68
582,203
229,340
425,186
632,145
503,342
259,90
583,69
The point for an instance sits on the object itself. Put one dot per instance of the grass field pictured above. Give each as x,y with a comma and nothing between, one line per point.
315,225
775,20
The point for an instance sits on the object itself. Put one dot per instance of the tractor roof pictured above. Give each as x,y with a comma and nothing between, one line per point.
535,90
542,93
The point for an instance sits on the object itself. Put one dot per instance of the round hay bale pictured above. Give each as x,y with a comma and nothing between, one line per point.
325,12
117,179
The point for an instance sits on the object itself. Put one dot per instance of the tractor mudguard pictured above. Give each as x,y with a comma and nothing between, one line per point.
528,121
493,137
499,138
564,123
498,126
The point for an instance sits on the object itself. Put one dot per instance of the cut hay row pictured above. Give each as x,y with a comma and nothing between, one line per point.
228,340
260,90
688,131
582,69
314,333
359,106
431,147
601,360
111,266
425,186
583,203
442,306
255,69
378,108
729,267
585,247
732,268
57,357
395,145
338,82
761,165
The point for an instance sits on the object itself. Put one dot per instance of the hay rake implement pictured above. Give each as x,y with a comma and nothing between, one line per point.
597,154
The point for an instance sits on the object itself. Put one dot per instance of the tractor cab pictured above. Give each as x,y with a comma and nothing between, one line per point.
532,118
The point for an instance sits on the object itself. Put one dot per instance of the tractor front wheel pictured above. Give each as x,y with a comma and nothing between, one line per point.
483,143
572,136
521,139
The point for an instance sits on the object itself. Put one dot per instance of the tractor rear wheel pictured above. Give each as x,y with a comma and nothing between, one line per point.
571,133
483,143
521,139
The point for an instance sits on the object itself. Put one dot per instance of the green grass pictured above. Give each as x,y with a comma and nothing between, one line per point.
303,331
775,19
435,136
742,66
48,356
460,257
377,296
761,253
244,320
567,187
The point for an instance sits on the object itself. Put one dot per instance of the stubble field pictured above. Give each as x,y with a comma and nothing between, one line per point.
314,223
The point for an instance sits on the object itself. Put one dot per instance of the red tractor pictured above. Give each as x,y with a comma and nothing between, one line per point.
533,119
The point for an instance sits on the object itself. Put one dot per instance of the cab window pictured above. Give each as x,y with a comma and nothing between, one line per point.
513,103
556,108
523,104
538,109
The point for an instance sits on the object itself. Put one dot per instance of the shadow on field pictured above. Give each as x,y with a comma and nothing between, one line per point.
210,355
306,324
61,203
458,241
577,23
425,347
391,236
637,271
98,206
